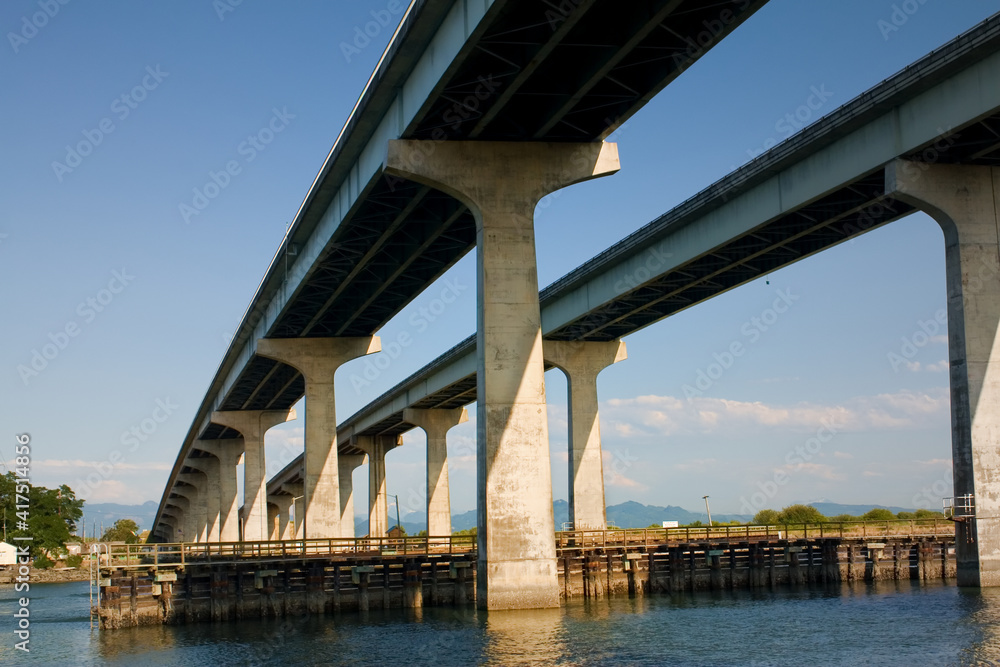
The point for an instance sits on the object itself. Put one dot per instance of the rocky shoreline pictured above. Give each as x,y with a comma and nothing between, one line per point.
49,576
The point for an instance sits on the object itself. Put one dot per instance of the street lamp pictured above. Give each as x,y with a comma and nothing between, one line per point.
709,511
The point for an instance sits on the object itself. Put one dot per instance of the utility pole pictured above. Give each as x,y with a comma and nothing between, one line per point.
707,509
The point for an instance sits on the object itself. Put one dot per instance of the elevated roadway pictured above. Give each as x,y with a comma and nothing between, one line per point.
821,187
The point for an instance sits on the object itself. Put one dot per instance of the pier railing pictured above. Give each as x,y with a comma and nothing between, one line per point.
146,555
898,528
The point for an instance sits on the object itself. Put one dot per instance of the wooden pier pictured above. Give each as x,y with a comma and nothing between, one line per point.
188,583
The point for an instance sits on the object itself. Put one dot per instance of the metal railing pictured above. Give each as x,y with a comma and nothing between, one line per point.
126,556
911,528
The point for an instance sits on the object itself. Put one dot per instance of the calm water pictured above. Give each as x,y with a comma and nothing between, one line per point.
848,625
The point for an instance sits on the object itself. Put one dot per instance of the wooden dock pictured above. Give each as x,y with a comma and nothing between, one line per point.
187,583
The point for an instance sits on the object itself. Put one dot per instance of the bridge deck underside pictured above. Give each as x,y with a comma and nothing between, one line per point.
851,210
534,71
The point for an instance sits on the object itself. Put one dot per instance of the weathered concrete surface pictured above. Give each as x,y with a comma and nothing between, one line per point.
295,489
196,490
318,360
252,425
501,184
348,463
582,362
378,501
965,201
181,504
228,453
436,424
209,466
282,504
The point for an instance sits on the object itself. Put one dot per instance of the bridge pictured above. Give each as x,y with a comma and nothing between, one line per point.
925,139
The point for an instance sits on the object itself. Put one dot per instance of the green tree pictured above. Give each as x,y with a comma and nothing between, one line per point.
50,516
845,518
878,514
928,514
800,514
765,518
124,530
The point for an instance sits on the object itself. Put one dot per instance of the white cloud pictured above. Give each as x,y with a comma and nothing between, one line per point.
842,455
668,415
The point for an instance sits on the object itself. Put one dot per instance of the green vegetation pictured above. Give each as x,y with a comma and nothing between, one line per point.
124,530
51,515
74,561
467,531
801,514
43,562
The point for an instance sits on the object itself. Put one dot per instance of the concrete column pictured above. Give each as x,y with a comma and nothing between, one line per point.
175,519
252,424
378,502
284,504
965,201
582,362
295,489
318,359
228,453
184,523
194,490
272,519
348,463
209,466
436,424
501,183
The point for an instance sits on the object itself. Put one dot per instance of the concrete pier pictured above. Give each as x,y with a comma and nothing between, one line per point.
378,500
436,424
348,463
501,183
582,362
196,490
209,467
228,453
252,425
965,202
318,360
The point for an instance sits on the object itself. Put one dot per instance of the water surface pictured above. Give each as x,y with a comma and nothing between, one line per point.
885,624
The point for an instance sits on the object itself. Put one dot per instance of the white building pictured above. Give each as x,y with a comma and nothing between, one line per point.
8,554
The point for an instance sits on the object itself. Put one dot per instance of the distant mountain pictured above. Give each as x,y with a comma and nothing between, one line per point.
833,509
629,514
97,514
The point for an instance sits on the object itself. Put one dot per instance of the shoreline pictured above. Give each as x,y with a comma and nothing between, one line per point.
50,576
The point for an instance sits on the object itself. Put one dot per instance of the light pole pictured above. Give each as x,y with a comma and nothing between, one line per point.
709,511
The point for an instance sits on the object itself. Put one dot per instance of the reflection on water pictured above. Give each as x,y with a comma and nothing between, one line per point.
892,623
525,637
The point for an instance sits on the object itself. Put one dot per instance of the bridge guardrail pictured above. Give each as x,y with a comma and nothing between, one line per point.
131,556
911,528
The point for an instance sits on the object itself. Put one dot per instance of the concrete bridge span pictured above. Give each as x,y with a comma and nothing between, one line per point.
925,139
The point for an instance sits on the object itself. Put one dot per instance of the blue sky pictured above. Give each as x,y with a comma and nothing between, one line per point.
165,94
